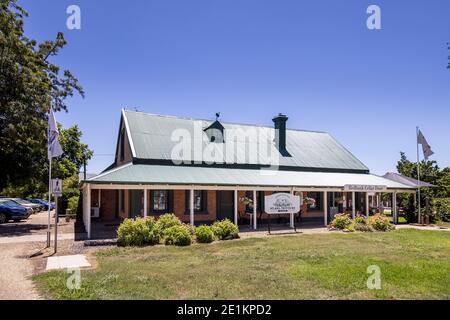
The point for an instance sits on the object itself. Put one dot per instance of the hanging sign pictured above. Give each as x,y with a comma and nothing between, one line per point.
279,203
57,186
364,188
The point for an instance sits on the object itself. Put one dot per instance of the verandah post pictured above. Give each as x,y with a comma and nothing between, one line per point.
235,206
367,204
145,203
192,206
325,207
353,205
88,206
255,227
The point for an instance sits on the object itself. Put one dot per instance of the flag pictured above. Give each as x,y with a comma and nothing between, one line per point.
54,148
427,152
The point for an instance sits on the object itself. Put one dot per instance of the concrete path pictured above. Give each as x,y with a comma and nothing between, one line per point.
34,238
67,262
412,226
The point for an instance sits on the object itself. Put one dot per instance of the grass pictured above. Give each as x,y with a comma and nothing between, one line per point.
415,264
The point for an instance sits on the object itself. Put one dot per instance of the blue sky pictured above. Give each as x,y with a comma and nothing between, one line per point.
315,61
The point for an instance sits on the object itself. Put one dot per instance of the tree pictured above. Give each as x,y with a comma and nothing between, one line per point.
429,172
29,86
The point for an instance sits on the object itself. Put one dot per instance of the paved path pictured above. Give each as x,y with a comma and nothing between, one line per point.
412,226
34,238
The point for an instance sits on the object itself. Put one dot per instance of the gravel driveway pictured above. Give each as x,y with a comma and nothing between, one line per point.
17,242
15,278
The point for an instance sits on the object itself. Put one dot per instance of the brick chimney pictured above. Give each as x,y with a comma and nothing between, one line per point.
280,133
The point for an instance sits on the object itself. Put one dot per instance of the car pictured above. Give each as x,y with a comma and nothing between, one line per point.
36,208
10,210
43,203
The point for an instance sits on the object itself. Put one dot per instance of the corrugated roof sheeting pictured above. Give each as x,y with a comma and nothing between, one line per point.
407,180
153,174
152,138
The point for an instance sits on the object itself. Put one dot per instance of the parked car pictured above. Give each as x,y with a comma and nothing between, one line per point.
10,210
36,208
43,203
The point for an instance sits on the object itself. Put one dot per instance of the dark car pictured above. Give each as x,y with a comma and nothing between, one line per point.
10,210
43,203
35,207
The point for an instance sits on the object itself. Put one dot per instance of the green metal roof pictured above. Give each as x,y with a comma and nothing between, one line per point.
151,139
189,175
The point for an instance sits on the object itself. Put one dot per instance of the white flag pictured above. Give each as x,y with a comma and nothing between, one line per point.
427,152
54,148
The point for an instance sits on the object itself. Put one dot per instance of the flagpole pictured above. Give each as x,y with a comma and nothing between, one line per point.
418,175
49,199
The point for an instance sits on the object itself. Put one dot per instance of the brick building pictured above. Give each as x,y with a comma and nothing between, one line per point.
204,171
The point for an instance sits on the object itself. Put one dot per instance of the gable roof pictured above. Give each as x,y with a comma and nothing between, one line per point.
150,136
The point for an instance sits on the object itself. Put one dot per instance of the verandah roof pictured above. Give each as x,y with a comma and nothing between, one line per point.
189,175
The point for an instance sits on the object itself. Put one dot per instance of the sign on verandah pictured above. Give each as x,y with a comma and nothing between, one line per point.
282,203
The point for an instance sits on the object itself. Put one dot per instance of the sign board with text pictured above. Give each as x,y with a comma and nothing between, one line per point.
280,203
365,188
57,187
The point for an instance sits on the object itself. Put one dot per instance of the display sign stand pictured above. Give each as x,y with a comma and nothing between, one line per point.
270,220
282,203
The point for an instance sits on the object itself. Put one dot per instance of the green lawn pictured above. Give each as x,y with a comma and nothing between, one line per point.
414,265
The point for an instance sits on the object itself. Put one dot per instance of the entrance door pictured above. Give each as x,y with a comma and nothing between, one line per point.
225,205
136,203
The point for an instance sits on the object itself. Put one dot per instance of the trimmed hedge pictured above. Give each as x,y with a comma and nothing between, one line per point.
178,235
205,234
225,230
380,223
361,223
167,221
341,221
171,231
138,232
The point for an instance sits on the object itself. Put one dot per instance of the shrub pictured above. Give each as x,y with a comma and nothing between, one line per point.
138,232
178,235
205,234
350,228
364,227
341,221
380,223
72,205
133,232
442,208
155,234
360,220
225,230
167,221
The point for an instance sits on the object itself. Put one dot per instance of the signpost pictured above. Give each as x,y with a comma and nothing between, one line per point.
57,186
282,203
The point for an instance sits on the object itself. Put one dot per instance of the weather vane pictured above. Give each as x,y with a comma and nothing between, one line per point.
217,115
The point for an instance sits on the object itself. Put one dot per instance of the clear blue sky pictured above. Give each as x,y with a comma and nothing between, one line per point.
315,61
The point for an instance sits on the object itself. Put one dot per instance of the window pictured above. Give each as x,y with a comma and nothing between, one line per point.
200,201
160,200
317,196
259,201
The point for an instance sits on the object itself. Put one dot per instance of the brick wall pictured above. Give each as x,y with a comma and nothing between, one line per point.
181,210
109,205
111,202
